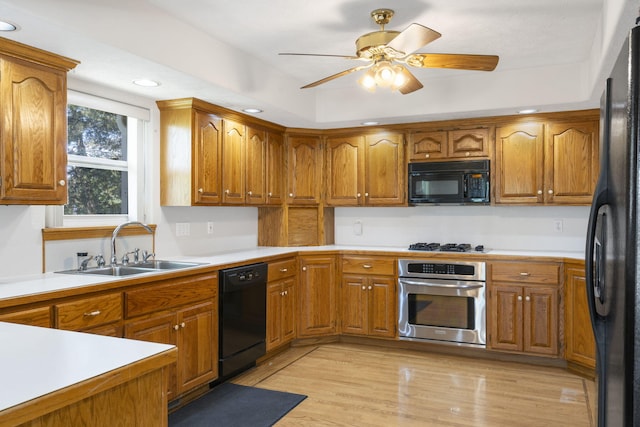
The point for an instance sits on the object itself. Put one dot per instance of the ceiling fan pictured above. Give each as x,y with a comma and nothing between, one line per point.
385,51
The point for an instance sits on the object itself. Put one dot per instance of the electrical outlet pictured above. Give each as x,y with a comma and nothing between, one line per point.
182,229
558,225
210,227
357,228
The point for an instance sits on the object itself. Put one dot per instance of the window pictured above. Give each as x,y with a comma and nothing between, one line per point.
105,172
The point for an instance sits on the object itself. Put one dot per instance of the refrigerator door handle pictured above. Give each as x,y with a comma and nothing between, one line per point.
596,256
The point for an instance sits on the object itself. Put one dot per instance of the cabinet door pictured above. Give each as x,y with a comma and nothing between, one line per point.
571,162
197,346
355,305
580,347
40,316
275,170
317,296
382,316
161,328
206,152
506,317
256,166
519,164
345,171
540,320
233,163
468,143
304,170
428,145
385,170
274,314
288,310
33,134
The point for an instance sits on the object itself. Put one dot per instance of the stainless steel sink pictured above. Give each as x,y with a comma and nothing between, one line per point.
127,270
159,264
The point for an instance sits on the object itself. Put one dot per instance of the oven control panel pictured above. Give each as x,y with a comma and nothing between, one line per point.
441,270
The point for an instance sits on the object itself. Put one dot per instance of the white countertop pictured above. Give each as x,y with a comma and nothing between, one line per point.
11,287
36,361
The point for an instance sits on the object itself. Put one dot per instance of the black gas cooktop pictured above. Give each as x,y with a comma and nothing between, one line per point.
447,247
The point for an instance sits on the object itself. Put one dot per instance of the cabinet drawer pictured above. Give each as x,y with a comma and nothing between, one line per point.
281,269
35,317
526,272
368,265
89,312
172,293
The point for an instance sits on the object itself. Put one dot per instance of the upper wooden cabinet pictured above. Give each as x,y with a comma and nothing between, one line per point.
552,163
33,136
211,156
366,170
449,144
304,169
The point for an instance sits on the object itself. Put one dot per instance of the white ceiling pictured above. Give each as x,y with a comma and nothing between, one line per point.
554,54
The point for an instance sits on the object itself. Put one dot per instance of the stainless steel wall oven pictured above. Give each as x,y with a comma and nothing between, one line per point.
442,301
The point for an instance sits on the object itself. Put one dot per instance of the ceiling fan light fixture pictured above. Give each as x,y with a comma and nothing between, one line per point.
399,79
368,81
385,74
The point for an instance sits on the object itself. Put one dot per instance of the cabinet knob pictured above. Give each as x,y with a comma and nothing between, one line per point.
290,194
304,268
366,194
227,191
286,293
200,190
539,191
282,293
427,156
527,298
370,287
249,193
519,297
550,191
364,287
358,194
269,194
467,154
182,325
524,273
62,183
367,266
176,327
92,313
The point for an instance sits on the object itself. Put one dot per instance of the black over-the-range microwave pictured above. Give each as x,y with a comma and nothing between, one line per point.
450,182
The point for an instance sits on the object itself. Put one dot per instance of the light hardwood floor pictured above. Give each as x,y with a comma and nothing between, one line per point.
356,385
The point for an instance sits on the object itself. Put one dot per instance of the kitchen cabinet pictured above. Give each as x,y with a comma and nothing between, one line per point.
523,307
281,303
438,145
233,162
275,168
33,136
39,316
256,172
580,347
182,312
317,296
368,296
101,314
304,169
365,170
546,163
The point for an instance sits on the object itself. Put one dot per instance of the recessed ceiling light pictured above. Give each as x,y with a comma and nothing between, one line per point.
370,123
146,83
7,26
252,110
528,111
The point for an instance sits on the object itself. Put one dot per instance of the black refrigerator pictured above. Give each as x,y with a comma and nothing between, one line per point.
613,245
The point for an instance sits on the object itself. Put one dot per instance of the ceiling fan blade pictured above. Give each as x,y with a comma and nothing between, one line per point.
412,83
335,76
450,60
413,38
319,54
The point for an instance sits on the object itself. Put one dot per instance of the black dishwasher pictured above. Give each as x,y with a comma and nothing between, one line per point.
243,317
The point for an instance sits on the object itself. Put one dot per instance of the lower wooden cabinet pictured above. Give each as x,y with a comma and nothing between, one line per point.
317,296
523,308
101,314
182,312
580,345
40,316
281,303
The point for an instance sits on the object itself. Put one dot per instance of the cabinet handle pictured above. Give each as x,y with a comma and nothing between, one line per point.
290,194
283,270
364,287
304,268
550,191
427,156
467,154
358,194
269,194
227,191
367,266
539,191
92,313
286,293
527,298
176,327
519,297
62,183
366,194
282,293
524,273
182,325
249,193
200,190
370,287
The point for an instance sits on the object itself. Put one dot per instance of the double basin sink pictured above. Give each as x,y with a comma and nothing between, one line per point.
127,270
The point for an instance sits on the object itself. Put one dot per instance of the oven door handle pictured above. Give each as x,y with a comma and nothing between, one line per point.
434,283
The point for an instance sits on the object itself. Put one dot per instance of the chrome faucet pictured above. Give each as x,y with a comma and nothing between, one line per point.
114,258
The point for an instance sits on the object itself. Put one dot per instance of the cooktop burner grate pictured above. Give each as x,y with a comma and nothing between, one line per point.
447,247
